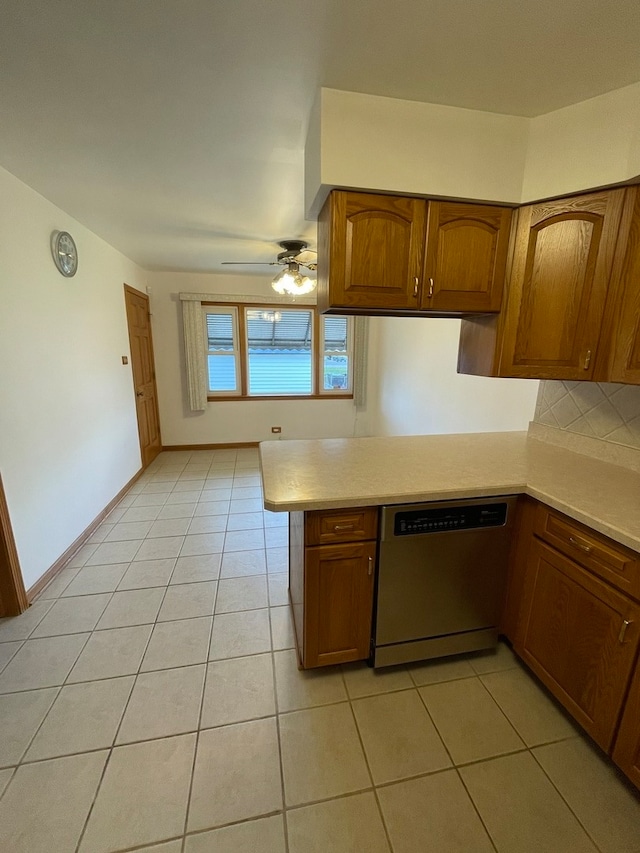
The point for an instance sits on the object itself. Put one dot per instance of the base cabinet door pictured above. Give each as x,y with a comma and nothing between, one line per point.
626,752
338,603
580,636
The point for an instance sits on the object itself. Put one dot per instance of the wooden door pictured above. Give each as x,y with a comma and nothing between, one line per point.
144,375
371,250
580,636
13,597
625,347
466,256
338,603
562,261
626,751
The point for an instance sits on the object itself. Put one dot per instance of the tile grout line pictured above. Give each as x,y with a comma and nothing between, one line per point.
561,795
366,759
202,699
113,742
279,737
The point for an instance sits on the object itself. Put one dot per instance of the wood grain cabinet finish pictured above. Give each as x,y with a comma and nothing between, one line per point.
396,255
466,255
338,602
370,251
331,583
325,527
623,364
562,260
580,636
626,752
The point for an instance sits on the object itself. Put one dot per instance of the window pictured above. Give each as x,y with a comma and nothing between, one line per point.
266,351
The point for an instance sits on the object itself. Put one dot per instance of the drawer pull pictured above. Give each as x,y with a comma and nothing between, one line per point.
416,286
430,288
370,572
623,630
339,527
581,545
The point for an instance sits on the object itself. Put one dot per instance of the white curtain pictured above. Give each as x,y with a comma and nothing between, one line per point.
194,354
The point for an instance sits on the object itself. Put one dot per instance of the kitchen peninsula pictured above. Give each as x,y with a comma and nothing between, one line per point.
359,472
572,607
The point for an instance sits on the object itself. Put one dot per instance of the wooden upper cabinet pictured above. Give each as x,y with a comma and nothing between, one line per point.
466,254
379,254
370,251
624,364
562,261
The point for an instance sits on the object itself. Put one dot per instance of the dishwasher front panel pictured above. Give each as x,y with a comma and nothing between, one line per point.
439,592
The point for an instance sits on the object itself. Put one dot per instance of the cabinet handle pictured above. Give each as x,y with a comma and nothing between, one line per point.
370,572
623,630
430,288
416,287
337,527
587,360
581,545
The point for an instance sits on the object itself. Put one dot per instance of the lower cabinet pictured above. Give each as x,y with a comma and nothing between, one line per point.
580,636
331,585
338,602
572,613
626,753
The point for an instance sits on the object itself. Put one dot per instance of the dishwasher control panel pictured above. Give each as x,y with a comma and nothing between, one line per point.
441,519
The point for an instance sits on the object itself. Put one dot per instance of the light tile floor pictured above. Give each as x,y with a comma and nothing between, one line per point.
150,700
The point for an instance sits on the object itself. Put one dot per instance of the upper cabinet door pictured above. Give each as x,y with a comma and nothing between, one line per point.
625,352
562,261
370,251
466,257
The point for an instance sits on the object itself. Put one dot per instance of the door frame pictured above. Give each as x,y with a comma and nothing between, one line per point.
139,293
13,596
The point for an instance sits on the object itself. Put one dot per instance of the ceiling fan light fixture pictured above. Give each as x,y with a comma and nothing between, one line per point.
289,282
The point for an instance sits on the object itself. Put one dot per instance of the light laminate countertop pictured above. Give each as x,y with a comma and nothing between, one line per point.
333,473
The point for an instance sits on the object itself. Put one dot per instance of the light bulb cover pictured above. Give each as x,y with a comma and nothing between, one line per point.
290,282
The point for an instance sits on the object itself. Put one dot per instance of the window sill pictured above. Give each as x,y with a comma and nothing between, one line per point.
238,398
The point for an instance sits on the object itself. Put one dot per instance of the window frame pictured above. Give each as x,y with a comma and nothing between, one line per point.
241,353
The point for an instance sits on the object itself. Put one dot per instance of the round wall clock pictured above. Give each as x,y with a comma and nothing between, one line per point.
65,254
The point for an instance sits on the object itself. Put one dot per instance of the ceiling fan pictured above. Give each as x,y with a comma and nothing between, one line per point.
295,254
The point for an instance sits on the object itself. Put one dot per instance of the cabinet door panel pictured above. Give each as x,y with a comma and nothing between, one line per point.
338,603
573,639
376,247
626,751
466,256
562,262
625,360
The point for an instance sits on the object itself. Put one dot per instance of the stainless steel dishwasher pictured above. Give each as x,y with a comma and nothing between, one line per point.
441,578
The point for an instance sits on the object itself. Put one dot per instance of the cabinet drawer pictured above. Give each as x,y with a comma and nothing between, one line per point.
341,525
601,555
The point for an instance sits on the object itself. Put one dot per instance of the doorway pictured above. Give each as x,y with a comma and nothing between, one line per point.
144,374
13,596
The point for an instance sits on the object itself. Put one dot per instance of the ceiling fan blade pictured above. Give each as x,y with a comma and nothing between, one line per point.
251,263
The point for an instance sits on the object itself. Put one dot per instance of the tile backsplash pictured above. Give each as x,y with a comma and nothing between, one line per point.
601,410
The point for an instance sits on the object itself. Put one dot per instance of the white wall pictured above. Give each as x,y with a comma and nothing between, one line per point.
585,145
416,389
370,142
68,430
227,421
405,146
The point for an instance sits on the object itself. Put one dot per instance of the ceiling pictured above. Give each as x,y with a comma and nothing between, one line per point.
175,130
